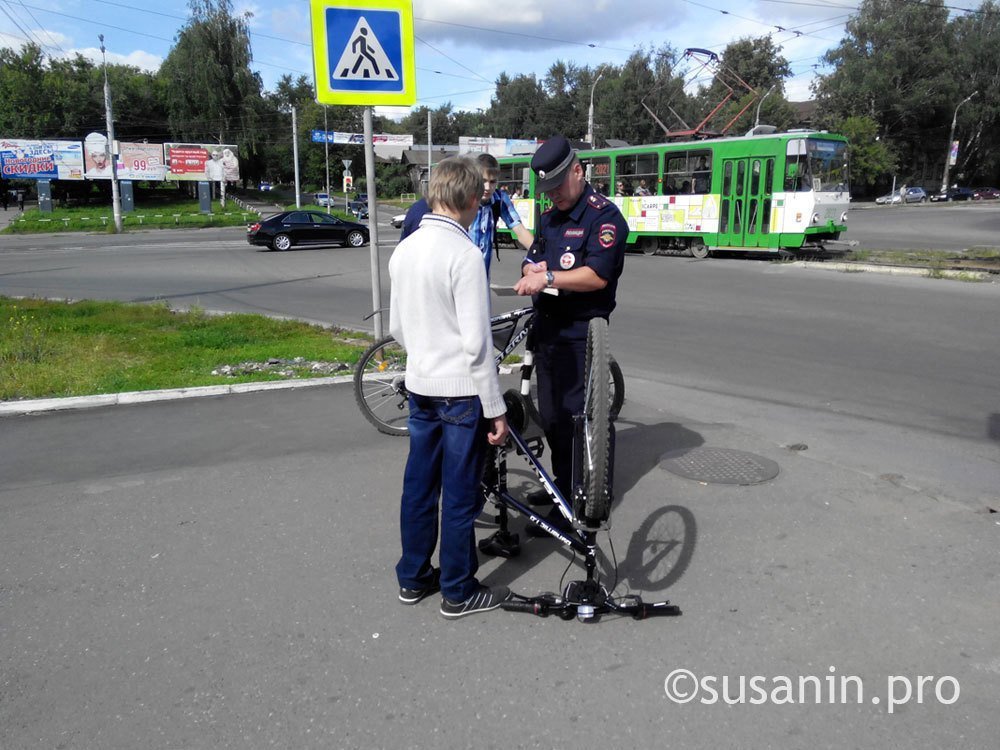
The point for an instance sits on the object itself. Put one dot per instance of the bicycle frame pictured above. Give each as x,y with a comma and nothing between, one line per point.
586,600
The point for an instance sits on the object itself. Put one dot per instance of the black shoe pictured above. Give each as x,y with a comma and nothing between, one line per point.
412,596
554,518
483,600
539,497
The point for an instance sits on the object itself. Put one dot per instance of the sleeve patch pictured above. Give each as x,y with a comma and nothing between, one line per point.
607,234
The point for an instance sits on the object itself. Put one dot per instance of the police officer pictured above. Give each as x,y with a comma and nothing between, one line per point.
580,253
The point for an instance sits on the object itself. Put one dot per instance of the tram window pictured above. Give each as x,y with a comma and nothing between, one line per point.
513,178
797,167
765,219
727,179
724,217
755,177
769,177
700,163
741,178
598,171
688,172
752,218
637,173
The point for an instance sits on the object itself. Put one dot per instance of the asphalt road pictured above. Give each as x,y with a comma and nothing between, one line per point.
218,572
930,226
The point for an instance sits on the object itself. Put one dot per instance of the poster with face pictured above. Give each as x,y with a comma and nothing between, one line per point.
201,161
96,157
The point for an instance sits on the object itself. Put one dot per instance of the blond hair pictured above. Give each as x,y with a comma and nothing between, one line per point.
454,183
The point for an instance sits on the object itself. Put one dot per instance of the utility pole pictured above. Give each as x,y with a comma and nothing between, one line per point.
116,203
951,137
295,158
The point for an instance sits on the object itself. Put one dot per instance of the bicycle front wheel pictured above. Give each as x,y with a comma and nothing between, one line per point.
597,424
380,387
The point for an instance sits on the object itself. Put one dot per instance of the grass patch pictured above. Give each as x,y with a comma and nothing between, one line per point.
58,349
157,215
924,258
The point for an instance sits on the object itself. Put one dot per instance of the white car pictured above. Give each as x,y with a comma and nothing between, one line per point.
397,220
913,195
321,199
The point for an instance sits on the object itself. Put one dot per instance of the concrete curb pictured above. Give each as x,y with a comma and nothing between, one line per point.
892,270
34,406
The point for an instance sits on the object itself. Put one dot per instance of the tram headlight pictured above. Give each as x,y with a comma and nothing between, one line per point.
815,219
843,218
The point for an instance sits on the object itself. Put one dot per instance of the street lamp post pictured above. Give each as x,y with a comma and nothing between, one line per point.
756,120
116,204
951,137
590,115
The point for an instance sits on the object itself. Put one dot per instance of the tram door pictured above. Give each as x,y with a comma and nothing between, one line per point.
745,210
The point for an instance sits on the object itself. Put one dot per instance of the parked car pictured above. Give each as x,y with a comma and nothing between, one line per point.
321,199
282,231
265,186
953,194
985,194
910,195
397,220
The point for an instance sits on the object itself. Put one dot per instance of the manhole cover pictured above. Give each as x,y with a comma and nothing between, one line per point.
719,465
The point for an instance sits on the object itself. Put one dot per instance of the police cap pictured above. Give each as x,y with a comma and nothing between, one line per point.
551,163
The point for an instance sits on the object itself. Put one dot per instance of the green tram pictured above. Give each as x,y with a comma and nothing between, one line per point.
776,192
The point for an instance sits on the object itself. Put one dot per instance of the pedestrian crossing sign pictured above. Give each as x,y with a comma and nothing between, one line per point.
363,52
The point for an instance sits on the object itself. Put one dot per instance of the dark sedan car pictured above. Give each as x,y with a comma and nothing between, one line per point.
952,194
281,231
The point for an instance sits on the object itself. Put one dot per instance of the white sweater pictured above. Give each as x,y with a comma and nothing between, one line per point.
439,312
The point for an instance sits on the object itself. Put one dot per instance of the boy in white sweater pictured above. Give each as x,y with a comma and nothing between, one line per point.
439,312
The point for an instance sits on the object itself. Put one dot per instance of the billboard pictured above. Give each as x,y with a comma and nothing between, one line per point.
391,139
140,161
40,160
214,162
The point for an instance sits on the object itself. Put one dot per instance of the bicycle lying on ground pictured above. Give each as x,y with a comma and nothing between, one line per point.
379,377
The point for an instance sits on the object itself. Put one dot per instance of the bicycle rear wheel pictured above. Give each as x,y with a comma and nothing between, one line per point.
597,424
380,388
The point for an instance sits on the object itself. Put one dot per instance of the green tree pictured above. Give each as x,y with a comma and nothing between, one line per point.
211,93
869,158
895,65
977,61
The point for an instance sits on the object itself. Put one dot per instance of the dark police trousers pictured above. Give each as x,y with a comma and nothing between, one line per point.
560,348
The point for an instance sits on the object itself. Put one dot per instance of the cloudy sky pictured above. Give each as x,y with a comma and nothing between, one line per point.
462,46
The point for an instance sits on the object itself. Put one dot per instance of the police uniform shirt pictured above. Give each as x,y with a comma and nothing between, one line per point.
593,234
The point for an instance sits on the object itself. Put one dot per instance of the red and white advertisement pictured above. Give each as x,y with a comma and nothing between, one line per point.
201,161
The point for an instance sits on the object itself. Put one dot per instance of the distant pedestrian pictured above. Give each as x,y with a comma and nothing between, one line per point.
20,200
5,198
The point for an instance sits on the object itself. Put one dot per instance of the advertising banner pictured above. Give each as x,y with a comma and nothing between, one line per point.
379,139
40,160
140,161
96,157
201,161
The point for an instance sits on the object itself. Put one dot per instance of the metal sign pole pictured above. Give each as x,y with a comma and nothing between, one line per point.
373,223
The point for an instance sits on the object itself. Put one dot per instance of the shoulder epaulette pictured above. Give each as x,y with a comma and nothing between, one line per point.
598,201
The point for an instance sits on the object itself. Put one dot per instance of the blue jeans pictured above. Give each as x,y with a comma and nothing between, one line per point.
447,448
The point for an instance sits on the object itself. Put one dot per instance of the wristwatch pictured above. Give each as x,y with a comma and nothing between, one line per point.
550,279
